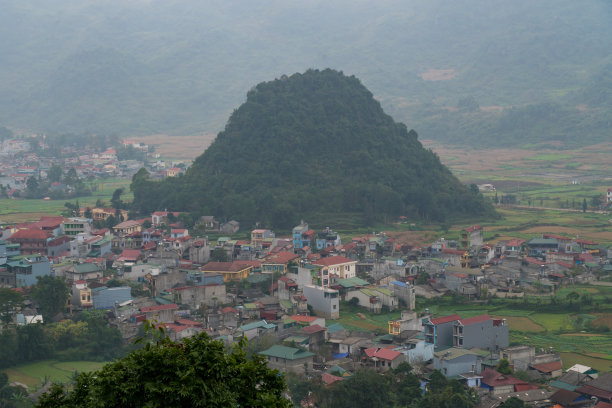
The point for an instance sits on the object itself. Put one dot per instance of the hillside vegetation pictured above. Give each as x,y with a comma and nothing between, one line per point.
309,144
179,67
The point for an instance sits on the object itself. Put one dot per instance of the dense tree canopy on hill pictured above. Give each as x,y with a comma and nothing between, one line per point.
313,143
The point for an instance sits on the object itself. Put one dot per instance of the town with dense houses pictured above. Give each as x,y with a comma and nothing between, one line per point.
285,294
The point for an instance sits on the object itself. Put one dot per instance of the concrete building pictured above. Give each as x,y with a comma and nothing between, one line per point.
297,234
418,351
160,313
471,236
482,332
210,295
26,269
408,321
455,361
339,267
404,292
324,301
439,331
75,226
258,236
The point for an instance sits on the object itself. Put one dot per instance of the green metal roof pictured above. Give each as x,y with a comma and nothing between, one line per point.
563,385
87,268
352,282
288,353
255,325
334,328
297,339
453,352
286,303
369,292
384,291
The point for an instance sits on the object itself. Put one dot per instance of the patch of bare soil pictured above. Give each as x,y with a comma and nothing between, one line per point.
492,108
415,238
178,147
438,74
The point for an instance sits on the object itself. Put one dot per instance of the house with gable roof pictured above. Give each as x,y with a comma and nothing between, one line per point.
84,271
384,359
288,358
337,266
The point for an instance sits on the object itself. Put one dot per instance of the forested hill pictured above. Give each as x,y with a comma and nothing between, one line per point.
310,144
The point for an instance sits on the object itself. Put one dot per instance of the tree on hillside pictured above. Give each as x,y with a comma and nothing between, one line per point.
584,205
504,367
512,402
9,302
366,388
50,294
116,201
55,173
71,178
218,255
199,372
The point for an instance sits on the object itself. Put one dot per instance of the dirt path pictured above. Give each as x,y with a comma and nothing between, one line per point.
554,209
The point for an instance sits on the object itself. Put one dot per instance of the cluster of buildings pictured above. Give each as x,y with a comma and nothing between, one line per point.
288,291
513,267
18,163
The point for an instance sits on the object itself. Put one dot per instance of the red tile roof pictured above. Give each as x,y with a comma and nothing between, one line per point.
598,392
475,319
515,242
384,353
187,322
333,260
387,354
547,367
315,328
228,309
492,378
129,255
304,319
157,308
30,234
445,319
329,379
475,227
281,258
525,387
226,266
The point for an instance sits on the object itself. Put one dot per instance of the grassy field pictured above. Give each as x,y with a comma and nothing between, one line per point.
33,375
30,210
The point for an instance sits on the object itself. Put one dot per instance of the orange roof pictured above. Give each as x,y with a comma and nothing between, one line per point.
303,319
333,260
30,234
281,258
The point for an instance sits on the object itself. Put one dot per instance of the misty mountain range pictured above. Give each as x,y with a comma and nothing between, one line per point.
517,73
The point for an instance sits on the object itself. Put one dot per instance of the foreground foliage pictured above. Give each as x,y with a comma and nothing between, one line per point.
395,388
199,372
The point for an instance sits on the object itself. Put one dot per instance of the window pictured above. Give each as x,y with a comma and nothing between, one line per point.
334,307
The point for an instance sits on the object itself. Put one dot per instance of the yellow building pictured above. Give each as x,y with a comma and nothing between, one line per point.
231,271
